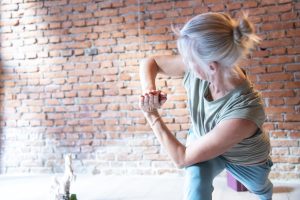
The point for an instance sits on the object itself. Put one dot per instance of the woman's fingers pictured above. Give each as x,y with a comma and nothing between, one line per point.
151,99
146,100
141,100
156,99
163,98
142,103
163,94
163,101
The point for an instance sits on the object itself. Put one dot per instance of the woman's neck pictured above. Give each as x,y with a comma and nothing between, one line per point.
222,85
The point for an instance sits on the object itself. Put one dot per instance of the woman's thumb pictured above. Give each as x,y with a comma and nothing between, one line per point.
162,98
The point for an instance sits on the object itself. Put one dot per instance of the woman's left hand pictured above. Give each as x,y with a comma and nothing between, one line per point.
151,101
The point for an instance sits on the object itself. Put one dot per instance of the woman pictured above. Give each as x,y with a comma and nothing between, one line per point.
226,112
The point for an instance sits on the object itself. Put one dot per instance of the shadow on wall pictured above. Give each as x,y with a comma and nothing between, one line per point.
49,97
17,78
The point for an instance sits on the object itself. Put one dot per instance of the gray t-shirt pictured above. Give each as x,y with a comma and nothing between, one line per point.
243,102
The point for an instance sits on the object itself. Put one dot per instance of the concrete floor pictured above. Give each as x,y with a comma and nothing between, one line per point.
91,187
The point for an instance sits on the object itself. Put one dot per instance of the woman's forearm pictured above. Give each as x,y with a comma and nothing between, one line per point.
174,148
148,72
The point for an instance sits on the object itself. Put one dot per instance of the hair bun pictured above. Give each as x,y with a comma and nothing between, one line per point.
237,35
242,30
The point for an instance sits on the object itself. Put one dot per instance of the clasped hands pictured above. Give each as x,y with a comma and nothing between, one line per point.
151,101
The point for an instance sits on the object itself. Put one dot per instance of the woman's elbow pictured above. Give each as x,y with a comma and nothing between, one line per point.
180,160
180,164
147,61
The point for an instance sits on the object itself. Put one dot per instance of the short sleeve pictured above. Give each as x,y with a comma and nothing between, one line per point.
186,78
250,108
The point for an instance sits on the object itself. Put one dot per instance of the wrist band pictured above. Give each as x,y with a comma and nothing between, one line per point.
156,119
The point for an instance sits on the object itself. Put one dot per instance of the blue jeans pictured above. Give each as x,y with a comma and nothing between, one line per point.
199,178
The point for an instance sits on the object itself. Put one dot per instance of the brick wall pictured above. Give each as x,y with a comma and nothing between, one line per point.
70,83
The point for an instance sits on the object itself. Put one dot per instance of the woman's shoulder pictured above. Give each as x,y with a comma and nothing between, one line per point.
245,90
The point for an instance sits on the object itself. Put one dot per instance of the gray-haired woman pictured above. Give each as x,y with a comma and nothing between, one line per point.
226,112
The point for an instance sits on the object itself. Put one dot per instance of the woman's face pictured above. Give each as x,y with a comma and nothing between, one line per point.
198,70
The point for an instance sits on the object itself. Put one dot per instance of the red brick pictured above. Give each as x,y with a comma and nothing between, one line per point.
280,8
233,6
293,33
80,30
292,67
217,7
249,4
281,159
284,143
292,117
277,26
279,109
276,77
157,38
295,150
159,6
280,151
158,30
271,18
292,101
85,87
284,1
289,126
279,134
257,11
279,42
183,4
257,70
278,51
275,69
186,11
79,23
39,116
80,73
106,13
276,86
161,22
52,102
276,101
125,92
267,2
288,16
295,84
55,3
295,135
158,15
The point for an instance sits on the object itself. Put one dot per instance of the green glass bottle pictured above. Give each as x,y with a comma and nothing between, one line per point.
73,197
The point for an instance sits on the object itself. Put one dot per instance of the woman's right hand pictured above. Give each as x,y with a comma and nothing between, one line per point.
152,100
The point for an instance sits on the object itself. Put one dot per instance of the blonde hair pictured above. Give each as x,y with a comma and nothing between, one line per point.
216,37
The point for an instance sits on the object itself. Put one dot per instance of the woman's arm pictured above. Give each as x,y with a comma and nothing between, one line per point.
224,136
167,65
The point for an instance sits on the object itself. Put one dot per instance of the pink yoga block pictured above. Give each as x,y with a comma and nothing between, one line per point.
235,184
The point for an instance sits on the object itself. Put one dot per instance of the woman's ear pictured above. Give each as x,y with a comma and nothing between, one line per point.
214,66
